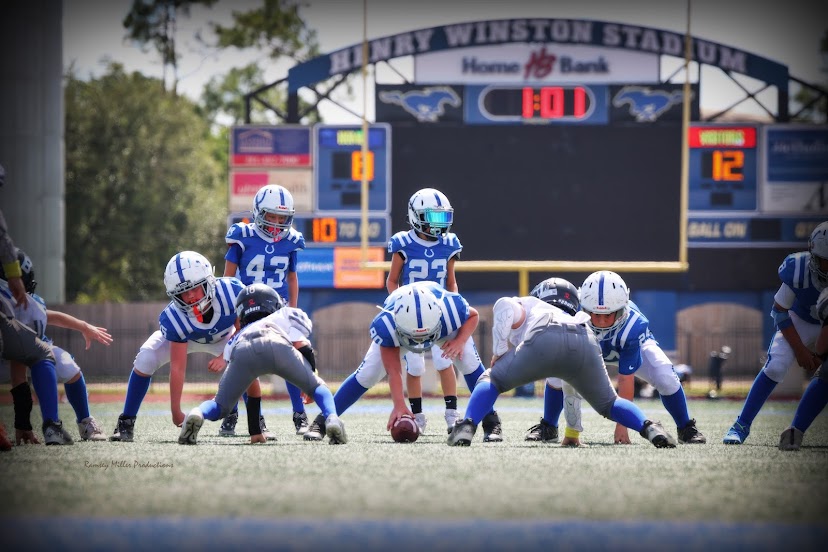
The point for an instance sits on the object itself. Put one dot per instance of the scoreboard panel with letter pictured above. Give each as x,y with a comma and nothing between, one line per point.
723,168
340,166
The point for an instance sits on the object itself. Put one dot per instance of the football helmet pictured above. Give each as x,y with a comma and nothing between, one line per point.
604,292
275,200
430,212
417,317
27,268
818,247
558,293
186,271
257,301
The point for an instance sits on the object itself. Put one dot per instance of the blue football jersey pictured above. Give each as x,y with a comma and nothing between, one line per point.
455,311
623,346
424,260
262,260
794,273
180,328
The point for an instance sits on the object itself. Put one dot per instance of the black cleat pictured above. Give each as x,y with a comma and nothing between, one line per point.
125,429
316,431
228,425
544,431
492,432
690,435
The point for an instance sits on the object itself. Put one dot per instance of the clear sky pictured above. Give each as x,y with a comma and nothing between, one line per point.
788,31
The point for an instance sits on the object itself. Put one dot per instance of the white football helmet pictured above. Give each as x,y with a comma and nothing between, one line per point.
430,212
818,247
185,271
417,317
276,200
604,292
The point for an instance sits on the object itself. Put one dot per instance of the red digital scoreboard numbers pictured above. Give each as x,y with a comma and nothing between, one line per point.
565,103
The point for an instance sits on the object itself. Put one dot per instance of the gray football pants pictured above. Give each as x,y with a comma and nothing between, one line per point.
261,352
566,351
19,342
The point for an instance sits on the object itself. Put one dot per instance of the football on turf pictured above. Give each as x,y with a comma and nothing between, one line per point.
405,430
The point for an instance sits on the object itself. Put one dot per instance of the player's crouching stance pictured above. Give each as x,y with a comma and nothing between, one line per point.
271,339
553,343
815,398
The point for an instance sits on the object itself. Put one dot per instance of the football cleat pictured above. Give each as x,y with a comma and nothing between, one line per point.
421,420
54,434
266,432
544,431
452,417
791,439
462,433
689,435
335,430
124,430
90,430
190,428
737,434
317,429
492,431
300,421
228,425
654,432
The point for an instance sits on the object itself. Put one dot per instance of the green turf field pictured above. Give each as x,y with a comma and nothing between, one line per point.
374,478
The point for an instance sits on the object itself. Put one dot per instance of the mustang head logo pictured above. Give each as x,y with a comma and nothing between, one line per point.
646,104
426,105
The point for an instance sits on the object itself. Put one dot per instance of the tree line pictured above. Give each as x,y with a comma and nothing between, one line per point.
146,168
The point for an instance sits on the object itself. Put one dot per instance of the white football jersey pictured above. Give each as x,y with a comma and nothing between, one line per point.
34,316
509,309
291,322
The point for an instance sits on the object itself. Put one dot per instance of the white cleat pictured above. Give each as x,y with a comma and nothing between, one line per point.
335,430
190,428
420,418
90,430
452,416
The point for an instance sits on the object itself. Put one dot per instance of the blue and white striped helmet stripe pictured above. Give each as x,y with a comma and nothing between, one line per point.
282,197
601,290
178,267
417,307
437,199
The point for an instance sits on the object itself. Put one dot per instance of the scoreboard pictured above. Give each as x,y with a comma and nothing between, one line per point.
723,168
339,167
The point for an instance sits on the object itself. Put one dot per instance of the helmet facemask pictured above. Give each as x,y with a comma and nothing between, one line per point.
275,230
430,212
273,200
605,292
187,271
418,320
434,222
818,248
